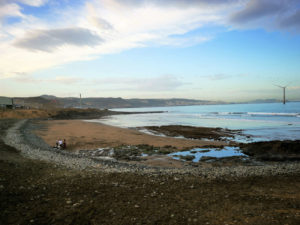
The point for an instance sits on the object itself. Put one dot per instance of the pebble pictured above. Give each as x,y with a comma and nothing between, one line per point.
20,137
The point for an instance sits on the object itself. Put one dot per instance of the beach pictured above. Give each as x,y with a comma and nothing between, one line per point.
82,135
114,175
40,185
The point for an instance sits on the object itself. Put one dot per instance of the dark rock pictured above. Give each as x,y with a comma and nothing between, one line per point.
273,150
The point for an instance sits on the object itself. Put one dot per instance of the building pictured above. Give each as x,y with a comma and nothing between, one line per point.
6,103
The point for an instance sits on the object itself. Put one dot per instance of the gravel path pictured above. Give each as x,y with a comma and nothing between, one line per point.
20,137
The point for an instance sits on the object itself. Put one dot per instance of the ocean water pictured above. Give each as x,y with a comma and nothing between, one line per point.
265,121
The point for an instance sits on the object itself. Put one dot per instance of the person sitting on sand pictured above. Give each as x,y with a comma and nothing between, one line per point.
64,144
60,143
56,144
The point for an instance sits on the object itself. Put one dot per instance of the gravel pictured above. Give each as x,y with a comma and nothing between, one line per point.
20,137
32,147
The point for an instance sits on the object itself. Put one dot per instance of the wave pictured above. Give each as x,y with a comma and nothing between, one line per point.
273,114
255,114
229,113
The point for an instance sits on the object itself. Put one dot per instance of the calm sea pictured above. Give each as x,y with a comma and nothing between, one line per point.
269,121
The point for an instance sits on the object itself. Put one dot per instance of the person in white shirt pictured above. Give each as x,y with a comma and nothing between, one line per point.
60,143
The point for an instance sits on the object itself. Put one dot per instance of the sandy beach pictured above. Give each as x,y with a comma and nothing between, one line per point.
81,135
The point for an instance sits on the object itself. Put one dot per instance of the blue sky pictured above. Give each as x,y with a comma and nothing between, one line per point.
230,50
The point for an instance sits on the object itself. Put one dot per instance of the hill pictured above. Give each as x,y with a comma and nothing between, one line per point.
38,102
50,101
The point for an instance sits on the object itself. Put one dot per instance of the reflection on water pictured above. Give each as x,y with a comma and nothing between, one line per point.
272,121
198,153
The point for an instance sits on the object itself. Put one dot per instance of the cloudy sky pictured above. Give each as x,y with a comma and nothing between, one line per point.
232,50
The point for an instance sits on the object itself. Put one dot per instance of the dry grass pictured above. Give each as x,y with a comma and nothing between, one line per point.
24,113
57,113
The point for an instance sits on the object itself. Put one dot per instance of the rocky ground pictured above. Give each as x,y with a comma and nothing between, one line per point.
60,113
194,132
273,150
42,186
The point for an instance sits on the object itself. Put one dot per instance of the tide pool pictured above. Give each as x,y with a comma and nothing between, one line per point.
198,153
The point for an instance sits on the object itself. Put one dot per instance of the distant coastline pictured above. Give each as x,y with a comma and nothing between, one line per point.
50,101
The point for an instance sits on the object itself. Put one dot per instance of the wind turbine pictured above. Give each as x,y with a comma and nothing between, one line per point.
80,100
283,88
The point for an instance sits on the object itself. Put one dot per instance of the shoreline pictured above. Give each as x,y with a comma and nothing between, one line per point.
21,137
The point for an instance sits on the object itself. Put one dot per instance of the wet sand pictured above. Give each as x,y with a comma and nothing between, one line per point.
82,135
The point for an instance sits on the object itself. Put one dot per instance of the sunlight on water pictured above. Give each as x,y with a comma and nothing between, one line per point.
263,121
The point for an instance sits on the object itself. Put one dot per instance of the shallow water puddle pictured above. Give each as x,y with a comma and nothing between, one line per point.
197,153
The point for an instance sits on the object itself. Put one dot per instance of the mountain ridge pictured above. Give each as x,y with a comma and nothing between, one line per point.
51,101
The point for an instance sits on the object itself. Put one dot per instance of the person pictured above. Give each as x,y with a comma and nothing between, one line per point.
56,144
60,143
64,145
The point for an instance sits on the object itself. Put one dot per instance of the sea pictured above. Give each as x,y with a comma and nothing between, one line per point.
258,122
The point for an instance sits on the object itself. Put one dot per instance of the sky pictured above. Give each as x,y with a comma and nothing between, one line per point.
221,50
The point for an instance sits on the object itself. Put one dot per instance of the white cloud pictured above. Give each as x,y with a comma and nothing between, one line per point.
268,14
35,3
11,8
7,10
215,77
64,80
144,84
294,88
120,25
49,40
108,26
257,9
